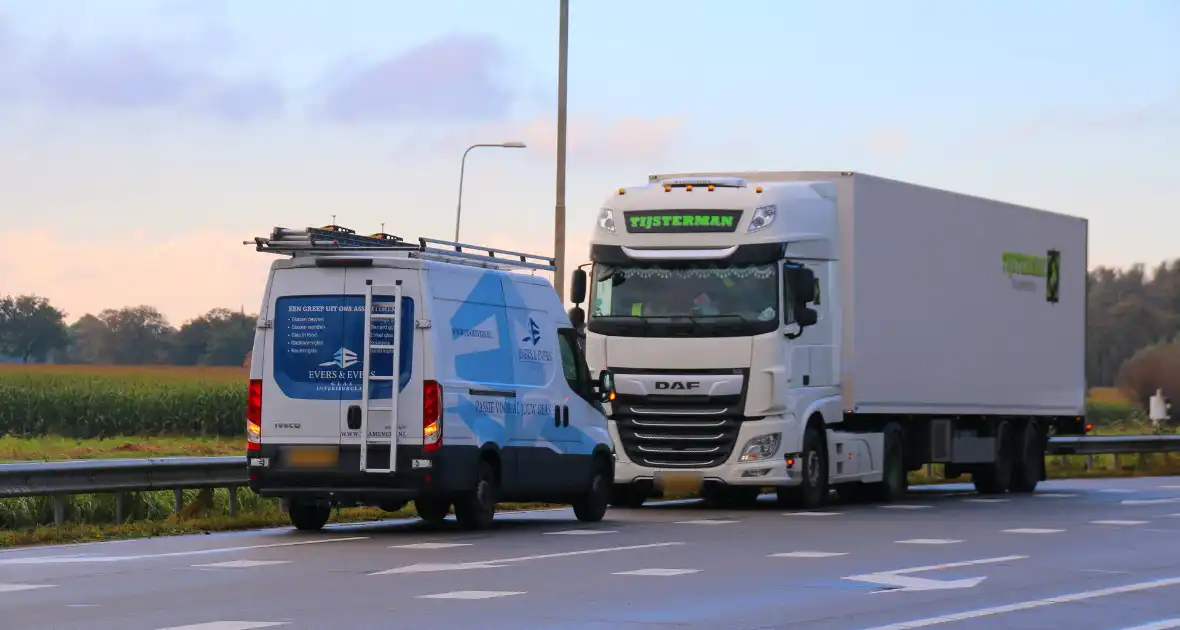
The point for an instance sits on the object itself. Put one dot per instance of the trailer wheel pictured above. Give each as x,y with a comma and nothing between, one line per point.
814,489
1030,459
996,477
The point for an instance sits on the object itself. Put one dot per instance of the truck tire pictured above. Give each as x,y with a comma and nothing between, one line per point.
309,516
432,509
591,507
627,495
814,490
476,508
895,481
1030,459
996,477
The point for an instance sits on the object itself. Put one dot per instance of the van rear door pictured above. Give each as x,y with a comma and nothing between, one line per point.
309,362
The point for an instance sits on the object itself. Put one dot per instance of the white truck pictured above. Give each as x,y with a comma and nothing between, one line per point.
810,331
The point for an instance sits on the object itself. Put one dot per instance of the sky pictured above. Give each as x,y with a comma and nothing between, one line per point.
142,141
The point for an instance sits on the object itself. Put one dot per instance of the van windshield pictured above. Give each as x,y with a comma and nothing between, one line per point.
698,298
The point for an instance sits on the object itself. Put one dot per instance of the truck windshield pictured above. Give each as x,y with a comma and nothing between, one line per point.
684,299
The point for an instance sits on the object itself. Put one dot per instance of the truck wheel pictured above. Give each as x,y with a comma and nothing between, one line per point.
1030,460
309,516
591,507
814,489
432,509
476,508
627,495
996,477
895,482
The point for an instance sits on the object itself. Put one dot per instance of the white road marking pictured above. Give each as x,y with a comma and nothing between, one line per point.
242,564
1169,487
430,545
1118,522
582,532
1055,495
928,541
812,513
706,521
1162,624
985,500
1036,603
1149,501
898,577
658,572
808,554
903,506
77,559
1116,490
12,588
229,625
1032,530
471,595
490,564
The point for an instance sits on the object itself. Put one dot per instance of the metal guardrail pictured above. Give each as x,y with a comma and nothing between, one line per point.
61,479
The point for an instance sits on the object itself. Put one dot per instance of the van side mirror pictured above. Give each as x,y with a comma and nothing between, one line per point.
578,286
606,386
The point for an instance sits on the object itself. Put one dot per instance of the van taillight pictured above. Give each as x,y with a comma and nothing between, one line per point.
254,415
431,416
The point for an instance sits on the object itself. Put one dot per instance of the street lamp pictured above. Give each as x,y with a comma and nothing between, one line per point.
462,168
559,205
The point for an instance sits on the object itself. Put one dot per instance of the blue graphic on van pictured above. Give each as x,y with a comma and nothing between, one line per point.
534,335
319,346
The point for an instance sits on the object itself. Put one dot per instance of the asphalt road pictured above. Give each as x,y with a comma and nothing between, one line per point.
1083,555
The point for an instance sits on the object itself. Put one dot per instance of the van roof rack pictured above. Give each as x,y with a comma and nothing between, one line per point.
334,240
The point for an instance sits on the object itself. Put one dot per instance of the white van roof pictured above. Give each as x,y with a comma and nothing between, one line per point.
334,240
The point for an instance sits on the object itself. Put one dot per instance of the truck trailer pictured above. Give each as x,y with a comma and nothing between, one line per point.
818,331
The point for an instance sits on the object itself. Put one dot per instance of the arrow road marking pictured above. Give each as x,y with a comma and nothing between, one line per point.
898,578
492,564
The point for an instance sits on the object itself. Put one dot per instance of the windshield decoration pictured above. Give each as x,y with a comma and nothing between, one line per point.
681,221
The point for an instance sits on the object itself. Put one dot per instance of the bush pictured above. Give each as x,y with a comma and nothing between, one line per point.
1105,414
101,401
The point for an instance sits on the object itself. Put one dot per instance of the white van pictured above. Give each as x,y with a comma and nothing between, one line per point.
494,401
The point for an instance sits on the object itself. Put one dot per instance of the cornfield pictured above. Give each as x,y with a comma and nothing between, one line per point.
104,401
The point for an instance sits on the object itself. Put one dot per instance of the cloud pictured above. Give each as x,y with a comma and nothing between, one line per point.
589,138
453,77
137,268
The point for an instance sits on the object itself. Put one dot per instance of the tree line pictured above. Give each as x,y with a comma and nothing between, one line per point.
32,330
1133,327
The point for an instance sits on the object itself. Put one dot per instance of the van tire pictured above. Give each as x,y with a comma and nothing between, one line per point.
591,507
306,516
432,509
476,508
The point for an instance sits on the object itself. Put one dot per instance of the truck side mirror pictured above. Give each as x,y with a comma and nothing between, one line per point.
577,317
606,386
799,284
578,286
806,317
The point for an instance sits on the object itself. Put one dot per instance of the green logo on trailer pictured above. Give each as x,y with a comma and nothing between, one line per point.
1030,266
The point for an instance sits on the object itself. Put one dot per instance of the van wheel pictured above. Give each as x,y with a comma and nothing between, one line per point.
1030,459
994,478
814,489
475,509
432,509
308,516
591,507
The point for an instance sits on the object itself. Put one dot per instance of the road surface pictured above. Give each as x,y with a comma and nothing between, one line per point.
1079,554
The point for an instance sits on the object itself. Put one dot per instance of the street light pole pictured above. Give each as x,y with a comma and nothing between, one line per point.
463,167
559,206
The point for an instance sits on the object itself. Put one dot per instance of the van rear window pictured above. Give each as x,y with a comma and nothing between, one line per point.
318,351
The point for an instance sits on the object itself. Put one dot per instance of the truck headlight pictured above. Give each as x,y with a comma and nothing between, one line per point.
762,218
761,448
606,219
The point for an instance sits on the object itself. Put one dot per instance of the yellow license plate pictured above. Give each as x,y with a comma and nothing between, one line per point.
313,456
678,482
